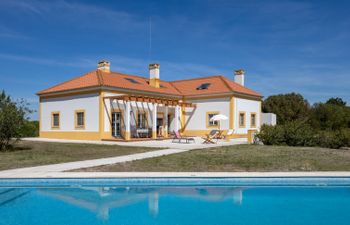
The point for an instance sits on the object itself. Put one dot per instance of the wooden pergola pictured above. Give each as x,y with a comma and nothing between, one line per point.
159,100
166,102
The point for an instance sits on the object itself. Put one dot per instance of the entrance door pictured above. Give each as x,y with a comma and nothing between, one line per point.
160,127
116,124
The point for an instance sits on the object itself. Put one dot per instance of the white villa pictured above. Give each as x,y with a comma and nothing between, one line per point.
106,105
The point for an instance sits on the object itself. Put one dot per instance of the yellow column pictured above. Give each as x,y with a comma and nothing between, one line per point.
101,115
154,121
183,118
232,112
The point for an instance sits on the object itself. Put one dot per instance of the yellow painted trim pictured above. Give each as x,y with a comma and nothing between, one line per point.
80,127
60,95
183,118
101,115
232,113
154,134
260,119
40,115
239,119
127,136
250,136
207,119
71,135
154,82
59,120
251,114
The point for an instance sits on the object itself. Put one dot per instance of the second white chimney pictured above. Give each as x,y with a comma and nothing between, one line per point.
154,75
239,76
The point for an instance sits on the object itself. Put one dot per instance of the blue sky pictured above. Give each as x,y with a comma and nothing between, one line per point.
284,46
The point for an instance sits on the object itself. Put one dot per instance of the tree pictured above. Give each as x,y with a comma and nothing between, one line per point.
12,119
336,101
329,116
287,107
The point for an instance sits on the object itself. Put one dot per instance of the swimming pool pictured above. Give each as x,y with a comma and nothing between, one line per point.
180,201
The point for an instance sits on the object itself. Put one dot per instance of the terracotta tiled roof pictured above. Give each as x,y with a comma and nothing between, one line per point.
98,78
218,84
189,87
87,80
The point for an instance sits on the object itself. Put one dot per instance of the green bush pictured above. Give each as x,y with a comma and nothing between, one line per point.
30,129
301,134
271,135
334,139
12,118
294,133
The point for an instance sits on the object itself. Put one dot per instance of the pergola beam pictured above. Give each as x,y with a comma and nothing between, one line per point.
165,101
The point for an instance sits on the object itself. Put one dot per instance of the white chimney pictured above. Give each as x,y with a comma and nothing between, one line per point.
154,75
239,76
104,65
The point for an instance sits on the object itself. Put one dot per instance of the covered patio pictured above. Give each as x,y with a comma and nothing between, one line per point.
137,117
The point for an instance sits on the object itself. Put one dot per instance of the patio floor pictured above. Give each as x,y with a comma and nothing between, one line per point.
167,143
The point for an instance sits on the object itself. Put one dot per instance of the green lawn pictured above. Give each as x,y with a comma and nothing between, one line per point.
242,158
27,153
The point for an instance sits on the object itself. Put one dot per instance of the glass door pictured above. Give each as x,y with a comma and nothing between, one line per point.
116,124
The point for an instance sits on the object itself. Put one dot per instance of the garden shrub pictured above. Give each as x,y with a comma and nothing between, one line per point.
294,133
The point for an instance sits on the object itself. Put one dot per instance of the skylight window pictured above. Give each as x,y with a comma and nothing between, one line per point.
131,80
203,86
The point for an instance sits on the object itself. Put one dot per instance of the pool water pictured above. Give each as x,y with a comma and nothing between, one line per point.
175,205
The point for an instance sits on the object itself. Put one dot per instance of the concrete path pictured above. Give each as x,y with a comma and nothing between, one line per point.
87,163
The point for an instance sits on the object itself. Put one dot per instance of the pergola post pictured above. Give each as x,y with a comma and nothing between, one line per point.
154,121
166,122
177,118
127,120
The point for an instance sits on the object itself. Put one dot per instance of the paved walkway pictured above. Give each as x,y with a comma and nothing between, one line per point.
60,167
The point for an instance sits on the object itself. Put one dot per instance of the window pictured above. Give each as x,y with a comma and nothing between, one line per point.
55,120
141,120
242,119
203,86
252,120
211,123
131,80
79,119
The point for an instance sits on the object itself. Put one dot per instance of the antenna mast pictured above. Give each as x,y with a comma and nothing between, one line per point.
150,39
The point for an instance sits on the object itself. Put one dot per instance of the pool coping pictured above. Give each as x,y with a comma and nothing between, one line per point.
4,175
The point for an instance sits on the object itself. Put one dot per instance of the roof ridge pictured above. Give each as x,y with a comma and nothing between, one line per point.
224,79
99,77
178,90
64,82
196,78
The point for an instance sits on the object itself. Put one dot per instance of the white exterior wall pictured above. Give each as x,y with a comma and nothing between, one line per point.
269,119
67,106
196,117
247,106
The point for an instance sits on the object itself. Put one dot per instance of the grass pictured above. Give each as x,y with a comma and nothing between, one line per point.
241,158
29,153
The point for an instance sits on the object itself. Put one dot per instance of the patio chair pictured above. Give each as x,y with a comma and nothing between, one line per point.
178,138
209,138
